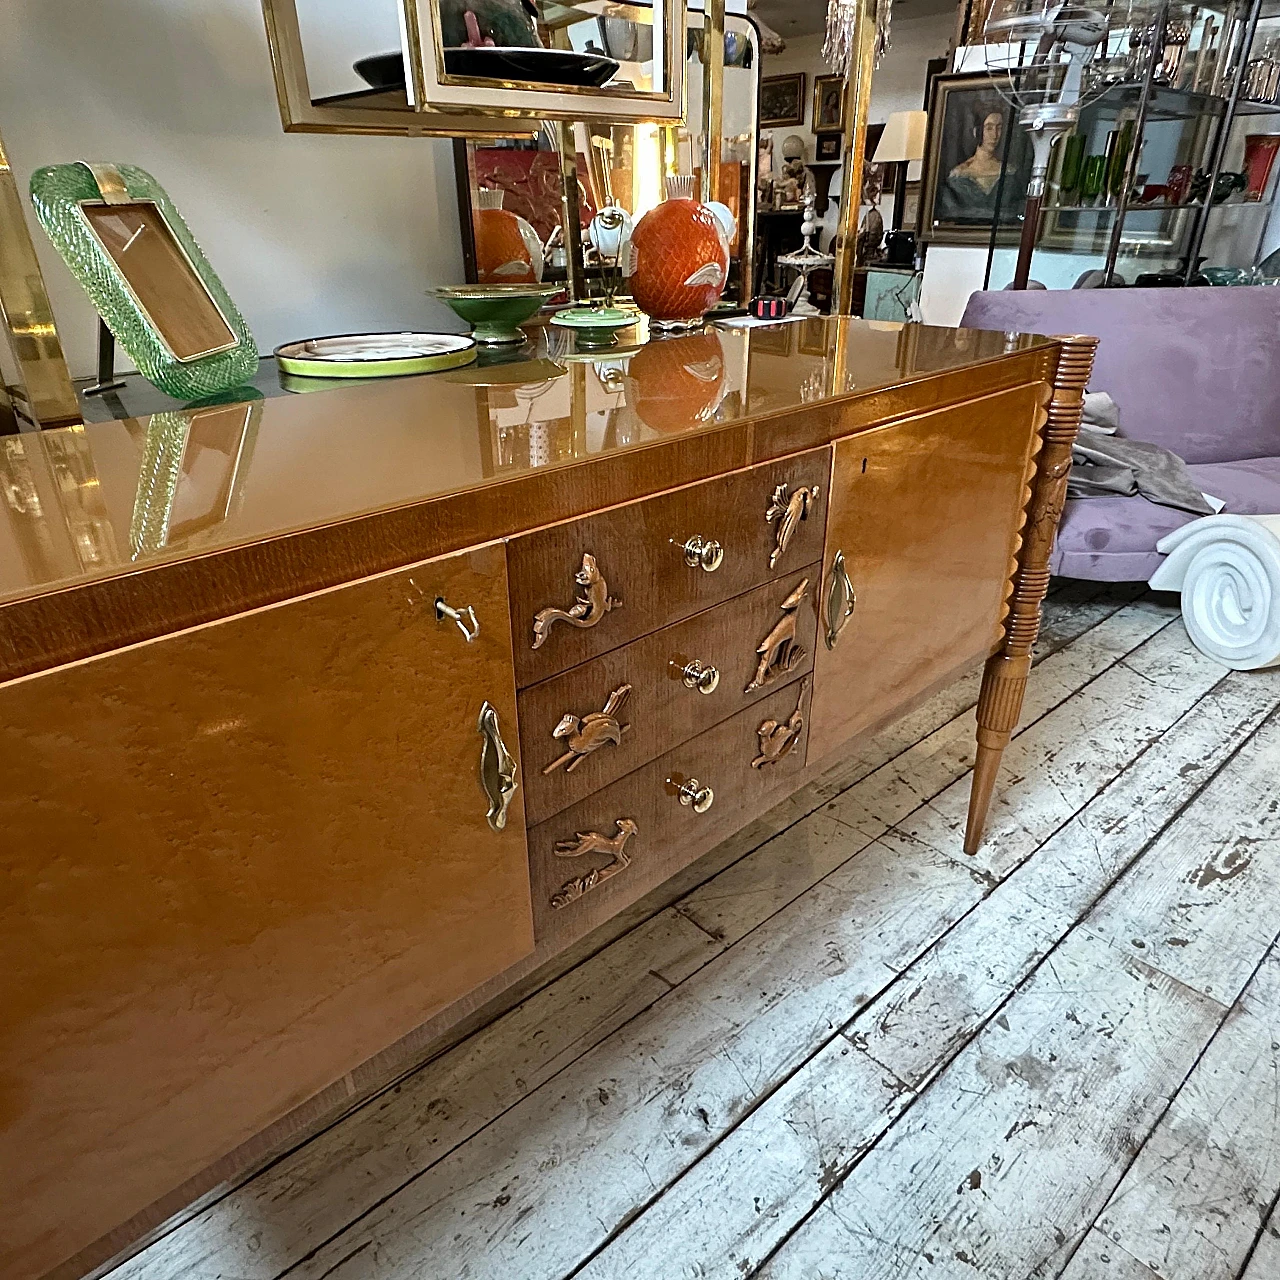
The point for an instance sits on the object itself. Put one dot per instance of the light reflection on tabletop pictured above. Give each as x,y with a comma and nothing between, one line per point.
91,501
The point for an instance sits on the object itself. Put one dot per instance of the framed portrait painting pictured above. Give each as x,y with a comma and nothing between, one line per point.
828,104
782,100
977,165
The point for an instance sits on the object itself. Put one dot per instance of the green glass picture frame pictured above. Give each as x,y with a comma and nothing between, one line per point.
130,250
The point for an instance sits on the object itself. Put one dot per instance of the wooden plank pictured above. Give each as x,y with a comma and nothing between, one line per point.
1095,736
1000,1168
1201,1188
538,1190
1086,1106
1101,1259
289,1208
1210,903
744,1194
956,986
736,1194
1265,1262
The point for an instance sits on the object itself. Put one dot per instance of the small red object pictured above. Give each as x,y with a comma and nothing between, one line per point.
769,308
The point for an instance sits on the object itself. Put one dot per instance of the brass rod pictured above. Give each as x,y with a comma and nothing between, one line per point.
570,212
46,394
857,100
712,97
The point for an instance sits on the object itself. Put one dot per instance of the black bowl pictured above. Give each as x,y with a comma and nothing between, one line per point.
381,70
540,66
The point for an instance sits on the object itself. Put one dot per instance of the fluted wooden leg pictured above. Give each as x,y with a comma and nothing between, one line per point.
1004,682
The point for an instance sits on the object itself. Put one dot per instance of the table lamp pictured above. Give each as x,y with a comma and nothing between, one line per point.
901,142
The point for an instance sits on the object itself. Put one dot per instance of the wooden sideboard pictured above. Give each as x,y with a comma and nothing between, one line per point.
328,719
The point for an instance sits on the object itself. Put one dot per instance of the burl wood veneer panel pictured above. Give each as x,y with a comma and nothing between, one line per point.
660,709
637,551
927,514
239,862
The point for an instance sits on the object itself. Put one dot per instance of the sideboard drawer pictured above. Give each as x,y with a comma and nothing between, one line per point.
586,728
587,586
610,849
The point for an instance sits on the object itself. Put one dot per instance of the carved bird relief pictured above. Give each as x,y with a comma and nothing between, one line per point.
778,652
789,509
599,729
777,739
586,842
586,611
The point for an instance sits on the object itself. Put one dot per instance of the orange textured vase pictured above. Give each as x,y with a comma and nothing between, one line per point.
679,259
677,383
508,250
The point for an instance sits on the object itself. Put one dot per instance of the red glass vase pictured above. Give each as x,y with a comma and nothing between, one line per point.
679,260
1259,155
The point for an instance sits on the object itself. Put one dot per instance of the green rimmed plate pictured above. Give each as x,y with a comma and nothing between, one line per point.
375,355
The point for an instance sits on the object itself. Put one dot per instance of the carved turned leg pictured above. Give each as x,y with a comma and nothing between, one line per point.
1005,679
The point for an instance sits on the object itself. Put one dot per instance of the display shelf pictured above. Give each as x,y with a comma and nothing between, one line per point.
1168,103
1134,208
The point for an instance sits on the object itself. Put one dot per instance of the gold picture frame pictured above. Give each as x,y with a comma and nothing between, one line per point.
828,105
782,100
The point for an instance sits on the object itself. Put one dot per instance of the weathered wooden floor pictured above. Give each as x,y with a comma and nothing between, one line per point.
855,1052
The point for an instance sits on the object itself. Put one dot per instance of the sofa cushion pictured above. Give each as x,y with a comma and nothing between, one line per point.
1114,539
1193,370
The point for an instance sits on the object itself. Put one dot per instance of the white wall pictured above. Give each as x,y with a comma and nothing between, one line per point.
311,234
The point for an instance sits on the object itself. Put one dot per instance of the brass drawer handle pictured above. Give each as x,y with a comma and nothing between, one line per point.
700,554
841,600
497,768
465,618
693,795
592,842
704,679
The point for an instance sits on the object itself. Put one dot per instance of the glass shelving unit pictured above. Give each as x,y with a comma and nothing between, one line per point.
1130,192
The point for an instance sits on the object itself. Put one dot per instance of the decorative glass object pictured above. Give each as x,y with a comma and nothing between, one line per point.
1072,163
1092,174
679,258
127,245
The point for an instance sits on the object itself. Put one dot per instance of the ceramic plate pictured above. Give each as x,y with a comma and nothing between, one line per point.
375,355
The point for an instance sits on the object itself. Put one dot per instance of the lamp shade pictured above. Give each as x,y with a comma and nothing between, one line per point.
903,137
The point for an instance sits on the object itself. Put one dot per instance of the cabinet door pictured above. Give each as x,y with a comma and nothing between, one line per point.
924,517
239,862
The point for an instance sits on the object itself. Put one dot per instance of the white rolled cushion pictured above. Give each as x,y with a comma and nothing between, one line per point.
1228,571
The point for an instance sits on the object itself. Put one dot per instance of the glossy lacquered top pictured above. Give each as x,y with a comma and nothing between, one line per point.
106,499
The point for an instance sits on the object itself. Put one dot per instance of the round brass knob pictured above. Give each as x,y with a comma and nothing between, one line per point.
701,554
704,679
693,795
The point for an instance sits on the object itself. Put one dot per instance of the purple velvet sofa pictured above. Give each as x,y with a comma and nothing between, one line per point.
1194,370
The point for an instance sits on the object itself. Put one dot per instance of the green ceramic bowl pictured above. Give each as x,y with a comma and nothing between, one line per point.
496,311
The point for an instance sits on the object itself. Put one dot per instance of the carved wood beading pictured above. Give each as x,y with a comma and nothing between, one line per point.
1004,681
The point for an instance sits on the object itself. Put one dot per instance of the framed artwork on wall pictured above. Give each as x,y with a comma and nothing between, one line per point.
828,104
829,146
973,138
782,100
